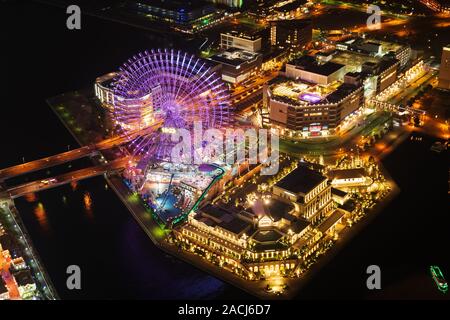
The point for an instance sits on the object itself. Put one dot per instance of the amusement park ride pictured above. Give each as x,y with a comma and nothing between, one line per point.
156,93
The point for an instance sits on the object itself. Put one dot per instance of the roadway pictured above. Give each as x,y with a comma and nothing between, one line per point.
45,162
58,159
81,174
74,154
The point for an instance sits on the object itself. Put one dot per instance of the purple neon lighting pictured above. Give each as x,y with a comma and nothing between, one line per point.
309,97
183,89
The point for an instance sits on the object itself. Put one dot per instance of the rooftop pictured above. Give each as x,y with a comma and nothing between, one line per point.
310,64
107,80
338,192
270,246
391,46
349,206
301,180
343,91
294,23
236,226
346,173
331,220
267,236
353,60
23,277
353,74
235,57
216,213
291,6
209,222
386,46
299,92
299,225
278,209
249,31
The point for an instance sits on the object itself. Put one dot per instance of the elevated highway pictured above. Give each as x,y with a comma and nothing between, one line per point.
40,185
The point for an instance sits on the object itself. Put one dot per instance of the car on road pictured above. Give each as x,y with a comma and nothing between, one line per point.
47,182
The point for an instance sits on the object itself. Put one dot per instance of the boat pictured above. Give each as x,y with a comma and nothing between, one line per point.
439,279
439,146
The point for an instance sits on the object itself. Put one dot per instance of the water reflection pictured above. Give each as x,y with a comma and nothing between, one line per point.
31,197
41,216
74,185
87,202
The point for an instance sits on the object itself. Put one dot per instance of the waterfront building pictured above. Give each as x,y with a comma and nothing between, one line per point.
188,16
349,178
444,71
308,190
269,233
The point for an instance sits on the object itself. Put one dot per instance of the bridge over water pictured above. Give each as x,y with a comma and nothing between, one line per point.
35,186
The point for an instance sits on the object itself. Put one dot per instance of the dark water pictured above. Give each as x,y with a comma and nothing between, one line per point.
87,225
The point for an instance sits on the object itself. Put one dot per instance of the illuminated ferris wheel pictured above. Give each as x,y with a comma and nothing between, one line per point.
169,90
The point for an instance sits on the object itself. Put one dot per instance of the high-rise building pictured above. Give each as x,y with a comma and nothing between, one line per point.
290,34
242,37
444,73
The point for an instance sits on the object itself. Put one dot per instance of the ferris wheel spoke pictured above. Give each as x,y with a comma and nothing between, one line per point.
169,87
